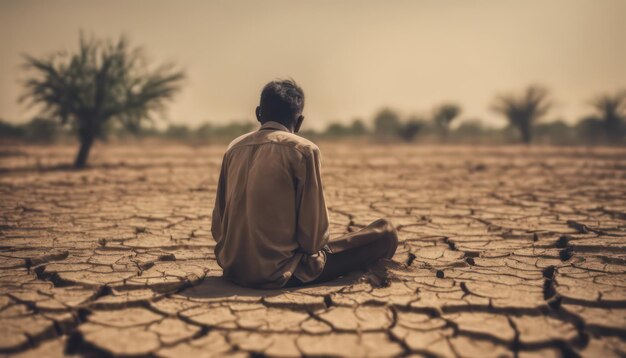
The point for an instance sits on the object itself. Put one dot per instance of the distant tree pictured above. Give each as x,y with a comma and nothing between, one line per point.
524,110
443,116
41,130
470,129
591,130
104,80
339,130
358,128
612,113
386,123
148,131
9,130
204,132
554,132
336,130
178,132
409,130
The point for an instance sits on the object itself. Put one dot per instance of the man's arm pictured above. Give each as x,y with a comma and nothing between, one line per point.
312,216
220,203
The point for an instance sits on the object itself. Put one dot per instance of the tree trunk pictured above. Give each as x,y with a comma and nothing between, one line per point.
86,140
525,130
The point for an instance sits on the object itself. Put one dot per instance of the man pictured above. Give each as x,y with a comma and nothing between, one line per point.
270,220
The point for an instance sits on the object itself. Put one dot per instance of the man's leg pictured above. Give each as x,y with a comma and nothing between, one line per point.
360,249
356,251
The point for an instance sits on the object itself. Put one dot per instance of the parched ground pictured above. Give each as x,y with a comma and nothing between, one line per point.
505,251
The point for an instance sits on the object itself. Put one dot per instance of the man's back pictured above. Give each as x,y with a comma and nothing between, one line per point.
270,219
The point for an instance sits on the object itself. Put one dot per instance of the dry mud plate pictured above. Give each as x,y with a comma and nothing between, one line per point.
504,252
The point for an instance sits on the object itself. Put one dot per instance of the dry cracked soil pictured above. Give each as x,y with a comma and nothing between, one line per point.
504,251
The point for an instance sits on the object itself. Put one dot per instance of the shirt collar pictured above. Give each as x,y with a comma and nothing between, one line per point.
274,125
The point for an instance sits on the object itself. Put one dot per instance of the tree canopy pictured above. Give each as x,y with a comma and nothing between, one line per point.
524,109
103,80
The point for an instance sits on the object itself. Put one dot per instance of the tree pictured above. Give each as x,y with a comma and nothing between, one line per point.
386,123
41,130
612,113
336,130
444,115
591,130
470,129
9,130
104,80
555,132
177,132
358,128
339,130
204,132
409,130
524,110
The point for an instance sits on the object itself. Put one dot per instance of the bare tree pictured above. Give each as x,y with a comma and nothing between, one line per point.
104,80
409,130
524,110
612,112
443,116
386,123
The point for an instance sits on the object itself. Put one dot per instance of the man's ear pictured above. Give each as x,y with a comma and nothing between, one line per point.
298,124
258,114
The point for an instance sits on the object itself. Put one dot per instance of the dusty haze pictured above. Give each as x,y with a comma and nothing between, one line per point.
351,57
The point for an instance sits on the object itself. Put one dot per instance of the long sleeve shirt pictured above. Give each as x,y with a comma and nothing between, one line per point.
270,219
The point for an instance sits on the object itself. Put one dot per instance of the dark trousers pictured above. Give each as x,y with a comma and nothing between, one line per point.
355,251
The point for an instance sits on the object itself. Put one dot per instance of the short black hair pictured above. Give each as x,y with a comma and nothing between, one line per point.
281,101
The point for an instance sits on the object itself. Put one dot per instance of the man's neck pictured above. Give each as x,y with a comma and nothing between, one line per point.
278,125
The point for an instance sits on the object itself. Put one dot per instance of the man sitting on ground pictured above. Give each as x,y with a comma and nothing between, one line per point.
270,220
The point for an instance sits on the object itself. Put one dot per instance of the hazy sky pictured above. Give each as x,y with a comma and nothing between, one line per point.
351,57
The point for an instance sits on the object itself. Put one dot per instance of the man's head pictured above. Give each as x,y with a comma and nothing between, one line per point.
282,101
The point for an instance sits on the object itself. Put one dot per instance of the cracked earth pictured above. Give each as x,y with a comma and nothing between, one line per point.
503,252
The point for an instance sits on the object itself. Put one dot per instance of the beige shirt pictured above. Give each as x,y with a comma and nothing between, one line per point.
270,219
